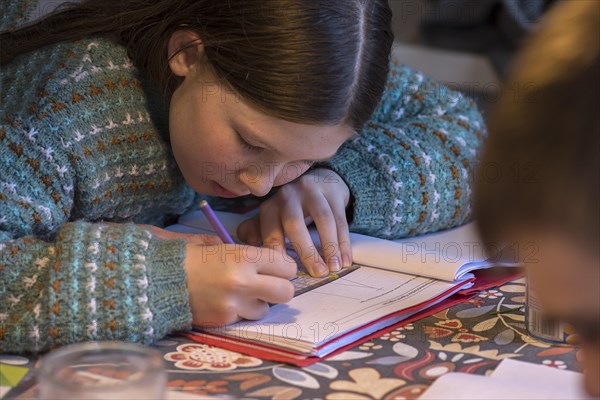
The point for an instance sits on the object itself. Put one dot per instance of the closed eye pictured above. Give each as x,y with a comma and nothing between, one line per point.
257,149
247,145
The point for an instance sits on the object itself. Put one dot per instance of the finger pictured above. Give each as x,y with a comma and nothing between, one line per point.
253,309
343,231
271,289
249,231
325,222
191,238
269,261
271,230
297,232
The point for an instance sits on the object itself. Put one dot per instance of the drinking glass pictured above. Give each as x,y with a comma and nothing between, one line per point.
102,370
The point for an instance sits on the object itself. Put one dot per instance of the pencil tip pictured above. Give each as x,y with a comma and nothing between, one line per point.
203,203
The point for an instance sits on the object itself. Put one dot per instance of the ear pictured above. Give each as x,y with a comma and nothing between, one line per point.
185,48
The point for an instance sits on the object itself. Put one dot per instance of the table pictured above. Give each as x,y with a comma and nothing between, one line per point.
472,337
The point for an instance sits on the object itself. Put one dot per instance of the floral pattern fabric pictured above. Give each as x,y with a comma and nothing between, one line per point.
472,337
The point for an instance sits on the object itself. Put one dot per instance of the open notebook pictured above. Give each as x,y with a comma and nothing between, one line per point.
389,282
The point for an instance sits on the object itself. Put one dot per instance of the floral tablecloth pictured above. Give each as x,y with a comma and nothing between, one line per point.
472,337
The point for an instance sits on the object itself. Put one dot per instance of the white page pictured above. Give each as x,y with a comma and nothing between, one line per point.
447,255
329,311
568,383
461,386
511,380
439,258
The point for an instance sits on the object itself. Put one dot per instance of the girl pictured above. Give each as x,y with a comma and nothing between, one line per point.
122,110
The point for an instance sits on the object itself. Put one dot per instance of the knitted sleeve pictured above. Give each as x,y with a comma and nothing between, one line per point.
64,282
16,13
409,168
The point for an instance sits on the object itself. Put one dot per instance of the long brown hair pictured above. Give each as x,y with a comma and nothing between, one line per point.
305,61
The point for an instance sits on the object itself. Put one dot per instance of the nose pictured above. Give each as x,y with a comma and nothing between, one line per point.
261,180
258,179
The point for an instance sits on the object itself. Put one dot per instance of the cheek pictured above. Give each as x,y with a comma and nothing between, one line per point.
290,172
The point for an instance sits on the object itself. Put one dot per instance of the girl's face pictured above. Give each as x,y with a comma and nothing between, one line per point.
226,148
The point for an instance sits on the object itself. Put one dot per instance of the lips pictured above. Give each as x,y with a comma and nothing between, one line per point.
221,191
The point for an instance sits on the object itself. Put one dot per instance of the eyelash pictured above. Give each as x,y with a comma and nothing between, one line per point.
249,147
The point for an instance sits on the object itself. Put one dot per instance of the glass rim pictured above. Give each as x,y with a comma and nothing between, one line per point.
48,361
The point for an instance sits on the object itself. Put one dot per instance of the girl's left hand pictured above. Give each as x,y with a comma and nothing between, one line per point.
320,195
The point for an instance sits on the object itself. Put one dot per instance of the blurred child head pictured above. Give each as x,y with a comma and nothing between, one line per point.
538,181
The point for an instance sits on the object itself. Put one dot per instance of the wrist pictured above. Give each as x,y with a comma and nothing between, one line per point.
168,294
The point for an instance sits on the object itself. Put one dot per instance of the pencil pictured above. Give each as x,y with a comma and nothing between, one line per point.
214,221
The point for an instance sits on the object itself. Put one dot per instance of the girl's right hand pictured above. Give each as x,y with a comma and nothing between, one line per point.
228,282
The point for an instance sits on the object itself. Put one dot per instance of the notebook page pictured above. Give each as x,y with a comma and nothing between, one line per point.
461,386
511,380
326,312
567,383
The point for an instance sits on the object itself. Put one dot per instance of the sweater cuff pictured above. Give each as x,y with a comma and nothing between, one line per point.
368,197
168,296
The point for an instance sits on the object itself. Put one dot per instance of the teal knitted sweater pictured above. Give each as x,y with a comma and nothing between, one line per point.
84,140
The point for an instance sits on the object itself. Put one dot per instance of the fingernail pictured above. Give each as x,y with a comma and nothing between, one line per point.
321,269
346,261
334,264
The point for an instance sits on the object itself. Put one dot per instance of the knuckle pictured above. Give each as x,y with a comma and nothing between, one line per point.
234,284
302,183
310,186
206,238
264,207
294,225
341,220
285,191
273,239
344,245
321,213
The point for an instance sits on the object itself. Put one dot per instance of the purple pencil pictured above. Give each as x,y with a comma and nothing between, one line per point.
214,221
